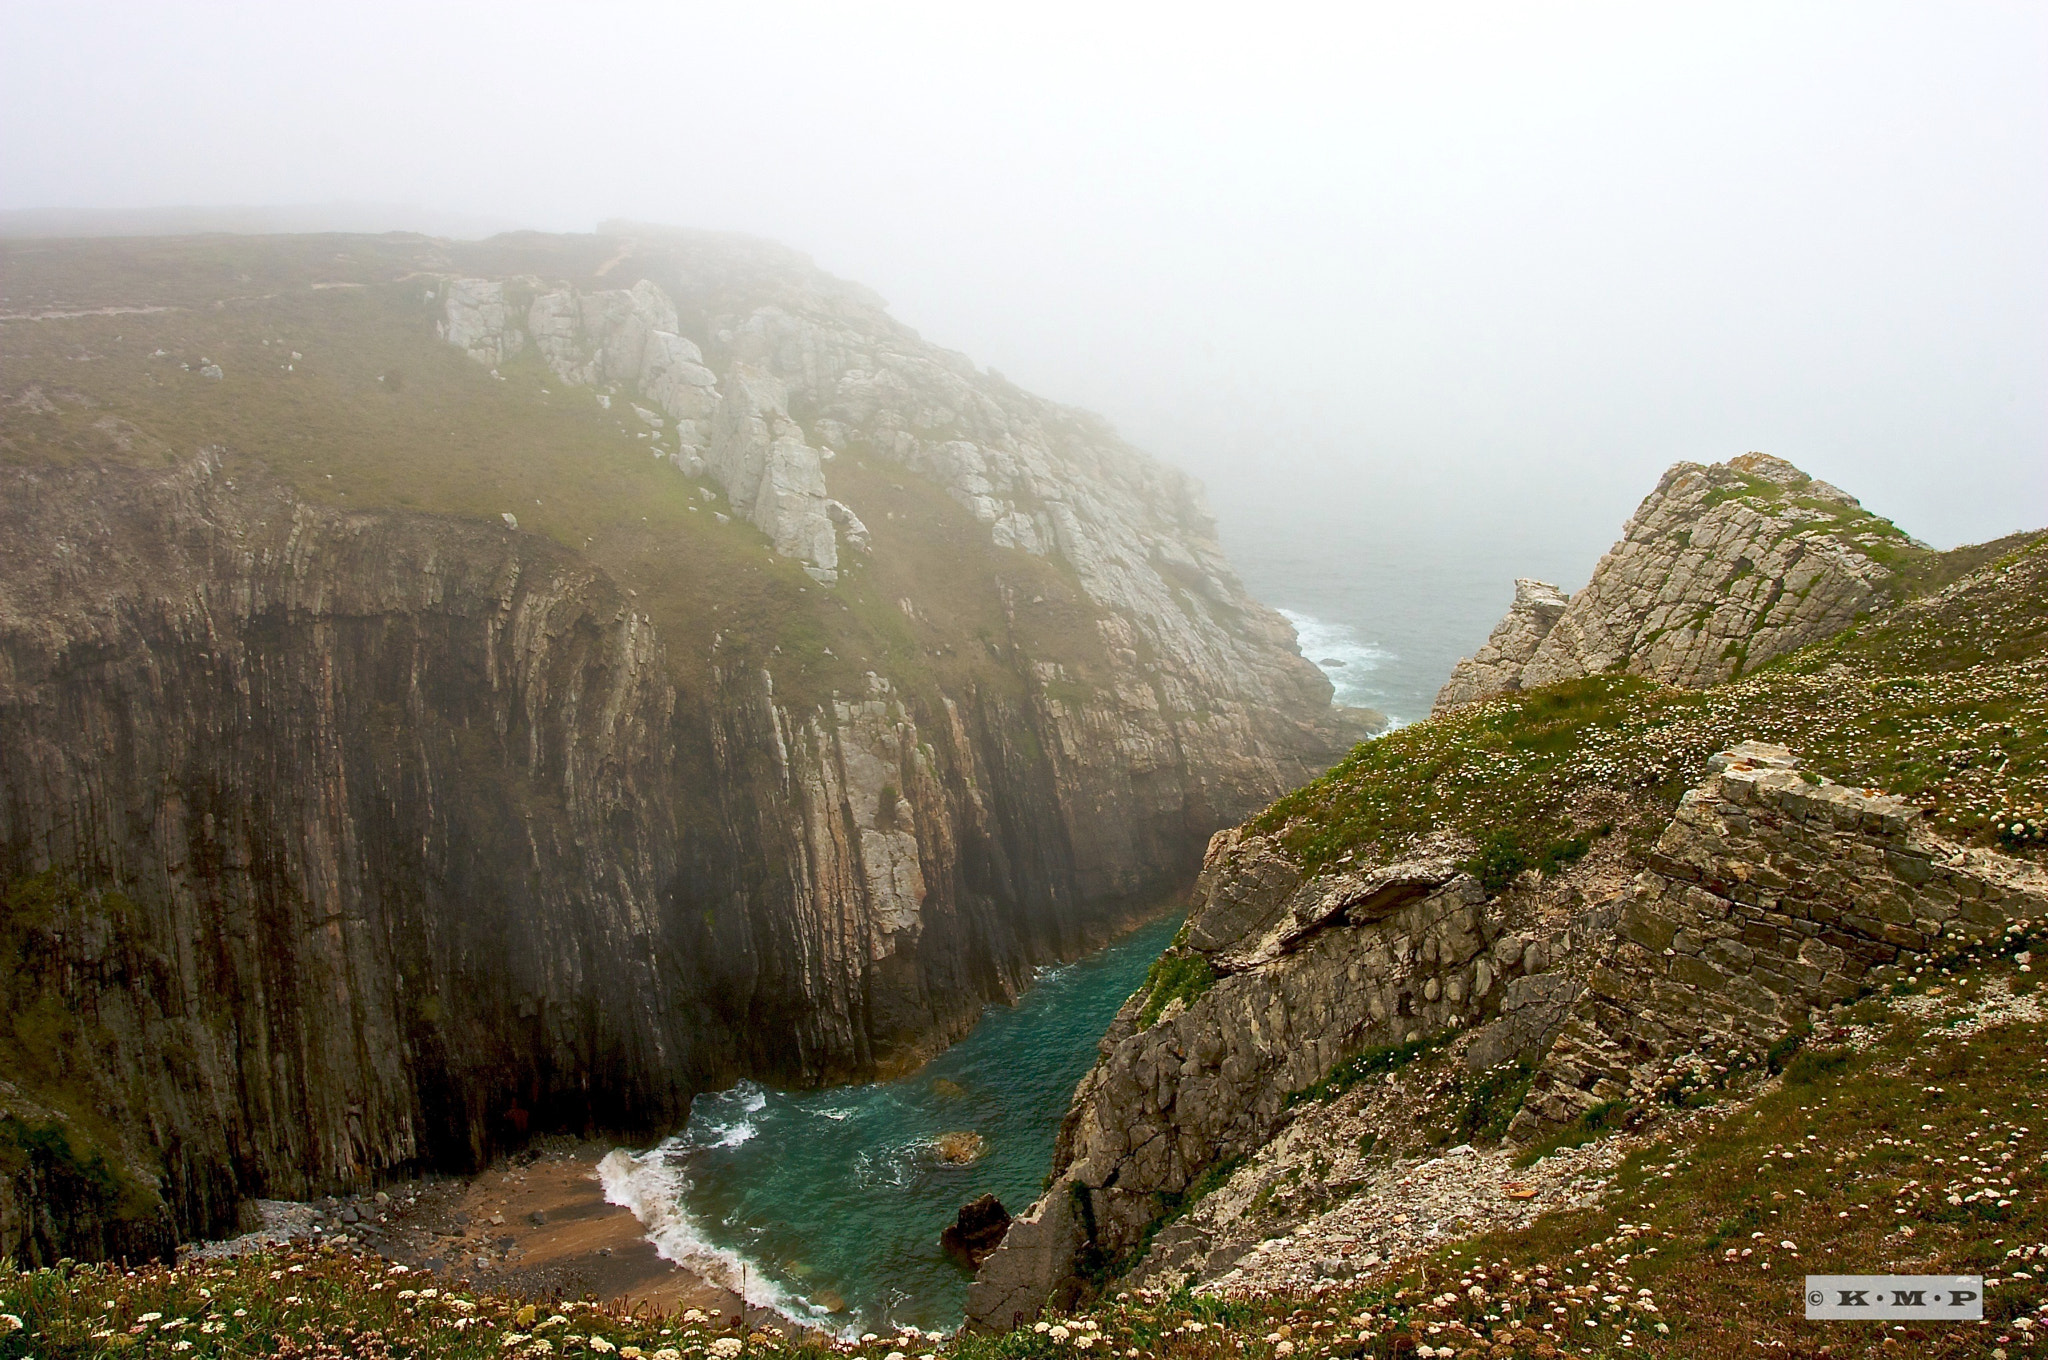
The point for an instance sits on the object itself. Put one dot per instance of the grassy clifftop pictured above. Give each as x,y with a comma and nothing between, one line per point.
334,382
1943,700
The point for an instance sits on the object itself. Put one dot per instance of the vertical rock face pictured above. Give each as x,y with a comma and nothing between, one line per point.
1720,569
391,805
386,838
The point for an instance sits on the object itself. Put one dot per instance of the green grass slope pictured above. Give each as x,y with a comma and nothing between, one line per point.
335,382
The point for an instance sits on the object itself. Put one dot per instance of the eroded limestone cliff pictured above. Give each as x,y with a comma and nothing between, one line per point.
345,837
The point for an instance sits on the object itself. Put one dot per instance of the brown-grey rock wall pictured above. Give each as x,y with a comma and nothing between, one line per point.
1768,898
1312,972
426,851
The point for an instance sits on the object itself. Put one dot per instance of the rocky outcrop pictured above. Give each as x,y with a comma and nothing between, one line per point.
1721,568
475,321
1771,896
773,477
616,336
1314,972
1497,667
976,1231
771,369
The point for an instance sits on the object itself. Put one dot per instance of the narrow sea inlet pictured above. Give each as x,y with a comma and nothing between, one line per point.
828,1204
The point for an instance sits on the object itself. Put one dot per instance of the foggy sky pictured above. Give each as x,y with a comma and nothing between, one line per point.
1485,269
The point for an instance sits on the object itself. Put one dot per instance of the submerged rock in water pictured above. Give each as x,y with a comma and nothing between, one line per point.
961,1148
948,1090
977,1231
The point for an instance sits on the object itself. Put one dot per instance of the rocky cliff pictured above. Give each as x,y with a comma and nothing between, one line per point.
1554,906
396,761
1720,569
1768,900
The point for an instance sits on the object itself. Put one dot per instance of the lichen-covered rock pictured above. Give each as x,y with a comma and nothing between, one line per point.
1721,568
1769,897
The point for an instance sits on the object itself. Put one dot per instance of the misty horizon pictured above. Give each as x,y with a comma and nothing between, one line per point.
1473,273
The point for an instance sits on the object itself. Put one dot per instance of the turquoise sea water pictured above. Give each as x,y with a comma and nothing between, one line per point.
810,1198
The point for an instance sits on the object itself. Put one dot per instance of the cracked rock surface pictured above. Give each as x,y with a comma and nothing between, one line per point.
1720,569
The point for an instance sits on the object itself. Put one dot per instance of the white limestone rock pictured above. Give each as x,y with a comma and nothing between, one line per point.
1720,569
808,366
857,537
475,319
774,478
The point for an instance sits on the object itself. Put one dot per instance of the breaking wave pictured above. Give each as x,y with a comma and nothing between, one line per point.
1339,653
651,1184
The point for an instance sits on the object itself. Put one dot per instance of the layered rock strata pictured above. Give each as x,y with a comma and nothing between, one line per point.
1770,895
1721,568
1312,972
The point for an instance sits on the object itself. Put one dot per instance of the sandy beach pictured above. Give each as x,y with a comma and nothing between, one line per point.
537,1226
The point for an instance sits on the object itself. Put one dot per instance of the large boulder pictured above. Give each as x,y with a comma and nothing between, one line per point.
977,1231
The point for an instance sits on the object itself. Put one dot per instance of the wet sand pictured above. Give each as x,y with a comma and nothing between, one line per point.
539,1226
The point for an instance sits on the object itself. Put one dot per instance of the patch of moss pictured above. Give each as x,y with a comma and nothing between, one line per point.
1179,974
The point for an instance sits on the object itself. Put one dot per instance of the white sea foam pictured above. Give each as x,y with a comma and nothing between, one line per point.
722,1120
1340,654
653,1185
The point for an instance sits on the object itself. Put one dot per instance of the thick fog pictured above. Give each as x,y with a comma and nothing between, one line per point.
1456,271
